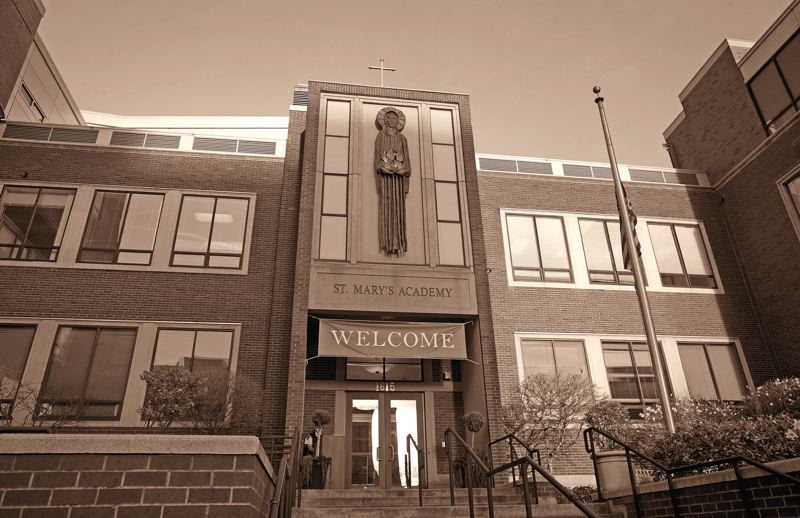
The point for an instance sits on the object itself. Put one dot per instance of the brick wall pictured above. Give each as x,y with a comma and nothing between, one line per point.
448,408
20,20
139,485
319,400
254,299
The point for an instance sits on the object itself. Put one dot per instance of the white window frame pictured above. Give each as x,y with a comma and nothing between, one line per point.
165,234
144,347
577,255
593,345
788,201
519,338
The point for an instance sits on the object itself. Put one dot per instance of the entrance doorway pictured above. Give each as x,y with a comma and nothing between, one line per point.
377,427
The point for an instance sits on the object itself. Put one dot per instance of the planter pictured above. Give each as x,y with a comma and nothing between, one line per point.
612,471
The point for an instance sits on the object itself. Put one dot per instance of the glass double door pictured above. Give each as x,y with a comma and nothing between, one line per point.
378,425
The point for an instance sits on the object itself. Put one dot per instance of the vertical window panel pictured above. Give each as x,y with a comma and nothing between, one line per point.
212,351
338,118
230,219
444,163
442,126
697,371
664,248
108,375
770,93
693,250
451,247
194,224
789,63
570,358
728,372
334,195
336,155
537,357
552,242
595,245
141,223
105,221
794,191
174,348
447,202
333,238
522,242
15,345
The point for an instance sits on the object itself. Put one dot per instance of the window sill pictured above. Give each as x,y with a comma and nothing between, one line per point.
124,267
614,287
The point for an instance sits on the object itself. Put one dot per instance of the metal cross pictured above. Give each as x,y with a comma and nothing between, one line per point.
382,68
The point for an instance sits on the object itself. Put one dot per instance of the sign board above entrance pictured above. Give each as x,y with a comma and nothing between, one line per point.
421,340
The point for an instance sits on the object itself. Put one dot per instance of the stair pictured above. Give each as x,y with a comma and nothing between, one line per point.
404,503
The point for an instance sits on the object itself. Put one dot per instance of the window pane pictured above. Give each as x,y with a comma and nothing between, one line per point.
141,222
595,245
213,351
338,118
444,162
174,348
69,362
397,371
334,194
571,358
365,369
614,233
693,250
451,248
110,366
695,368
664,248
15,344
194,225
602,172
229,226
794,190
537,357
189,260
333,238
552,245
789,62
770,93
621,376
442,126
105,221
49,219
17,208
522,241
133,257
728,371
336,152
224,261
447,201
643,175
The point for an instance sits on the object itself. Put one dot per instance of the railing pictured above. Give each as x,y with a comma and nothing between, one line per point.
669,473
287,483
511,438
420,464
522,463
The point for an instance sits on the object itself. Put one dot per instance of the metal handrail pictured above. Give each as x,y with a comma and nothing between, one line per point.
420,464
669,473
286,492
513,455
523,463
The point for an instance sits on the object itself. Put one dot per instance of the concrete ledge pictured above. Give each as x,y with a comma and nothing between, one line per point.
784,466
123,444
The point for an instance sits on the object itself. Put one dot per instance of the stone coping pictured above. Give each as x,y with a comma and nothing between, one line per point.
122,444
748,471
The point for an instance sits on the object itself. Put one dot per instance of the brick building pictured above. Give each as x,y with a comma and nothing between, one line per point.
277,257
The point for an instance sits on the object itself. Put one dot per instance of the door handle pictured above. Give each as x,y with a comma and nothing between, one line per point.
392,457
378,453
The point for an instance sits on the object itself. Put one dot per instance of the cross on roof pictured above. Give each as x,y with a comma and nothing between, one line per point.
382,68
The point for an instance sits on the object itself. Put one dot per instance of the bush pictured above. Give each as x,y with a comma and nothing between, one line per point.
780,396
585,494
611,417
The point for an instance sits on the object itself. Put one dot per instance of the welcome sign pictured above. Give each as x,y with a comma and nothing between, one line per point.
392,339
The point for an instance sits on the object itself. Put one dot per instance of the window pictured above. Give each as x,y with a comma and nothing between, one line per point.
445,179
210,232
776,87
335,176
382,369
602,246
538,248
793,186
553,357
87,373
193,349
33,221
713,371
15,344
30,101
681,256
631,377
121,228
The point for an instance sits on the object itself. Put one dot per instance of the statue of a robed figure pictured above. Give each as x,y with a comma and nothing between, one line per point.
393,170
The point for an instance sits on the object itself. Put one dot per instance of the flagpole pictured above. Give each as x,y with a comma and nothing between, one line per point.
636,265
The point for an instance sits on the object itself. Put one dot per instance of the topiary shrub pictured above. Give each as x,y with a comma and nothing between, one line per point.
473,422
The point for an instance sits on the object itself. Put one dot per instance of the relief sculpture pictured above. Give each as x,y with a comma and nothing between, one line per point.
393,170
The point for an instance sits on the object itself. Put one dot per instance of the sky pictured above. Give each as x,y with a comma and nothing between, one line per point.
528,65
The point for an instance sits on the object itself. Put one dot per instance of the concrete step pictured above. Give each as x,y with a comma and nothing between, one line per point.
446,511
403,497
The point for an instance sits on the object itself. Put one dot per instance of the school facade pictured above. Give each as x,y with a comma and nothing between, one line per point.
124,249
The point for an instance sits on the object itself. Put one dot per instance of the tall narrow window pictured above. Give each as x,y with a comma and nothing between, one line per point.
631,377
445,176
681,255
335,175
538,248
15,345
211,232
553,357
121,228
713,371
603,248
793,186
776,87
32,222
194,350
87,373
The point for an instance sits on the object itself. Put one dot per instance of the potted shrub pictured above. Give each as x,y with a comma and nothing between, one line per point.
610,460
315,465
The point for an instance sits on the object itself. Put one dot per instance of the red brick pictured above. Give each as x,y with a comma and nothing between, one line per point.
37,462
12,479
6,462
145,478
232,511
119,496
234,478
45,512
164,495
209,495
126,462
190,478
213,462
250,462
139,511
10,512
82,462
73,496
26,497
100,479
92,512
183,511
171,462
54,479
244,495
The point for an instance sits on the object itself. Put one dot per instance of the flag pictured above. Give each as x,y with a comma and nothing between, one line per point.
626,258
